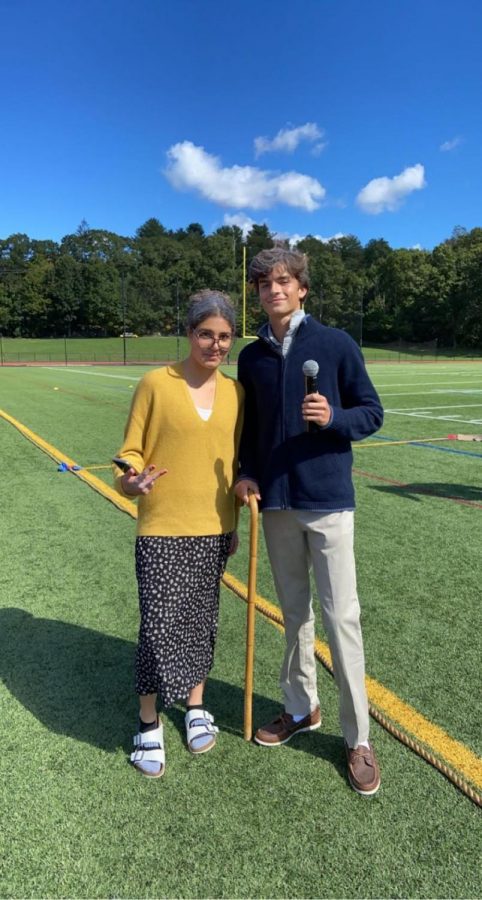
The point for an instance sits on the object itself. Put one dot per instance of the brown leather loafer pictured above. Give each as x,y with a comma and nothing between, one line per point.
363,770
284,727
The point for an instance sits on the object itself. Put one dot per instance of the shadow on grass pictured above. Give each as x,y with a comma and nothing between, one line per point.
458,492
79,683
226,701
74,680
322,745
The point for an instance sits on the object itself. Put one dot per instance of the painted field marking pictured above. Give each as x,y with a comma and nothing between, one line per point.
421,444
387,442
427,368
93,374
440,364
427,383
414,409
439,741
435,392
419,415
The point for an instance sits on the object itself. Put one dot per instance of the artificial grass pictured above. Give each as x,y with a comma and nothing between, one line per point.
241,821
415,553
419,585
68,351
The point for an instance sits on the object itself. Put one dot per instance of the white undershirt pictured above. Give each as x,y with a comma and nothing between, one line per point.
204,413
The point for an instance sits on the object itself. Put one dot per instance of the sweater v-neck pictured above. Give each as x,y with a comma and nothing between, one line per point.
190,399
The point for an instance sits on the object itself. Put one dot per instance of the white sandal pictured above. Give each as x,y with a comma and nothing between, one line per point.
200,730
149,749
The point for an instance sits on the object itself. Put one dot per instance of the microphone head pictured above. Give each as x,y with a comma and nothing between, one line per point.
310,368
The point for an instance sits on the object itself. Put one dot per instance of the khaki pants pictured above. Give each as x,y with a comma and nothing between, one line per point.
297,540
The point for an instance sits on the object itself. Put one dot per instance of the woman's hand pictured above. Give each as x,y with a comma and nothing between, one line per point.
136,484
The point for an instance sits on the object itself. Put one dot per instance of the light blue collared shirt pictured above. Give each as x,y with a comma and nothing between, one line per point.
295,322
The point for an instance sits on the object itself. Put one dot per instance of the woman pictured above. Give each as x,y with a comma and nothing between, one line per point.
186,418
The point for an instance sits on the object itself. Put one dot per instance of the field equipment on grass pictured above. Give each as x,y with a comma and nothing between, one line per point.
464,437
65,467
364,445
251,612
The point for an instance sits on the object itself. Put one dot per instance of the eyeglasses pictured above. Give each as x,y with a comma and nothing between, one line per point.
208,339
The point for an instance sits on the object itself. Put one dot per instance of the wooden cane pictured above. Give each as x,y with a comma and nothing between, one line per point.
248,676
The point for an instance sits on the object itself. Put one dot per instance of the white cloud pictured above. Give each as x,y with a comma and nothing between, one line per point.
334,237
291,238
294,239
245,223
288,139
451,145
318,148
192,168
384,193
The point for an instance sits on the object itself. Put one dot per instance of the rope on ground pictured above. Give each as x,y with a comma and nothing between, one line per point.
96,483
276,616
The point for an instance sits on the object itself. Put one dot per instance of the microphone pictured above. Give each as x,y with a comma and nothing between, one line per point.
310,371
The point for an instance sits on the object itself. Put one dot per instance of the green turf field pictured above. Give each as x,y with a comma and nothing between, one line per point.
154,348
241,821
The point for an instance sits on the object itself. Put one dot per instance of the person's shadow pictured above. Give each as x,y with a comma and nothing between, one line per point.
415,490
79,682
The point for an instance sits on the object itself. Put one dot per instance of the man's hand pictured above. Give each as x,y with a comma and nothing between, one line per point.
244,487
134,484
315,408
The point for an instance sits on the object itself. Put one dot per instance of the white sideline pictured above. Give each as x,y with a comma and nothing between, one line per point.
95,374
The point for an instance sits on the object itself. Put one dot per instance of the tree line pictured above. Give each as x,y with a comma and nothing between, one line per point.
98,283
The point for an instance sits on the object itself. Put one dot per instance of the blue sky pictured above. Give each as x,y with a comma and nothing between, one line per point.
317,117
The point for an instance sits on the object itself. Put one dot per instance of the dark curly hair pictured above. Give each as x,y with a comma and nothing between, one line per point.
264,262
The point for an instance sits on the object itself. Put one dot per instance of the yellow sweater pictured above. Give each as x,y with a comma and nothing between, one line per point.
195,497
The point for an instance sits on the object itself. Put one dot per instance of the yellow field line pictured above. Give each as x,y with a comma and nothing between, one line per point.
434,737
365,446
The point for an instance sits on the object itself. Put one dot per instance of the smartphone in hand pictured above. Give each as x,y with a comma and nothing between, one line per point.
123,464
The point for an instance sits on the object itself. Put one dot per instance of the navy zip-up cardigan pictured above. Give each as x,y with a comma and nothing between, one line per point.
296,469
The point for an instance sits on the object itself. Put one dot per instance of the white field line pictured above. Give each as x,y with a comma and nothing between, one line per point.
443,391
94,374
426,367
419,415
425,383
394,377
430,408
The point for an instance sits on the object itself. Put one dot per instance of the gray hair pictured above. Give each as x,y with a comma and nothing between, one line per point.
263,263
206,303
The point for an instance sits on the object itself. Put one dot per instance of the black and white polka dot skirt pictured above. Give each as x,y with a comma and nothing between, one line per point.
178,580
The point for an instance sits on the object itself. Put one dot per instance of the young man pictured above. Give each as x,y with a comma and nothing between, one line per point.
296,457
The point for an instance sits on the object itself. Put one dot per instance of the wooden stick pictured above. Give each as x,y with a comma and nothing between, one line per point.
248,677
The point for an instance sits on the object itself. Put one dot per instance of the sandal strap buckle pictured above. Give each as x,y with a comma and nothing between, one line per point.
148,737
